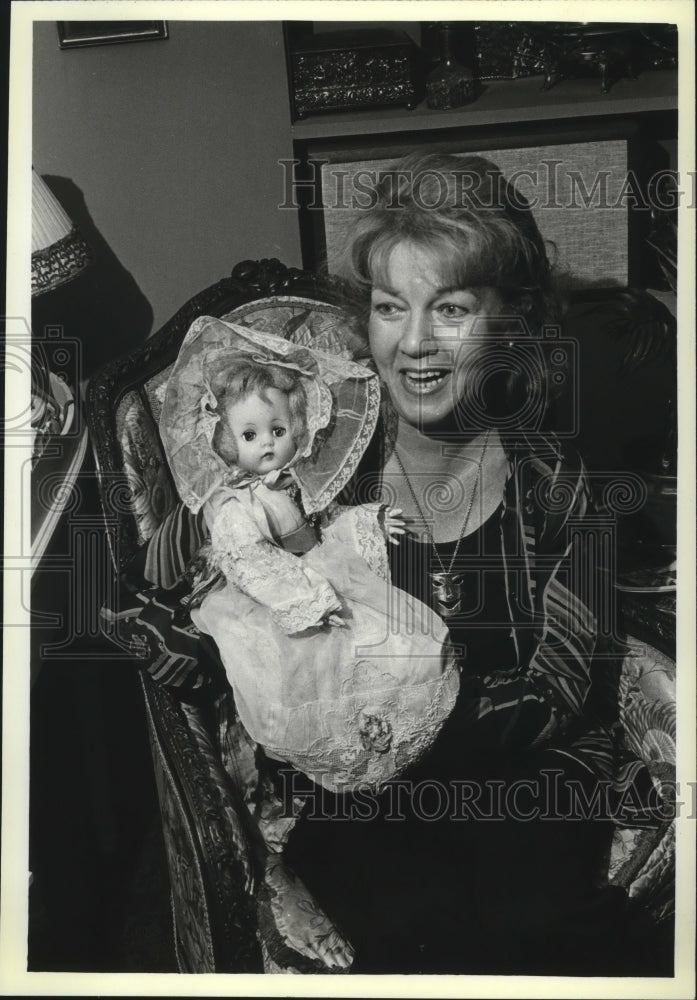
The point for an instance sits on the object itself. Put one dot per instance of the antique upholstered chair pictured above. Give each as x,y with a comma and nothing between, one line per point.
226,901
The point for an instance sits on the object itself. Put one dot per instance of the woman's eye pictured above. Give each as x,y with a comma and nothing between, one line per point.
279,432
248,435
385,308
451,310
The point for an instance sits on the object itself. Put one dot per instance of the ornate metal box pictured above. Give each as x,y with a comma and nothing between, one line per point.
364,68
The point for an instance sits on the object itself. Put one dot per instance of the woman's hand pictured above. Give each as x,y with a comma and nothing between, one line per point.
304,926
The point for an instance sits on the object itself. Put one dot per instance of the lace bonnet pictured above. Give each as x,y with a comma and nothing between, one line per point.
342,398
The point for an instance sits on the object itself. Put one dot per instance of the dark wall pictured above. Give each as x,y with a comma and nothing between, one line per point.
171,147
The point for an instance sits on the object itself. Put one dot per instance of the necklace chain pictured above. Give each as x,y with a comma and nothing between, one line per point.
445,585
468,512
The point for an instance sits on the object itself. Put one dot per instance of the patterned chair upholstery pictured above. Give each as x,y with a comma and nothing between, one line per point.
643,858
224,883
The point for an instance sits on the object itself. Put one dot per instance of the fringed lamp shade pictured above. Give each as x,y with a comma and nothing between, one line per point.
58,252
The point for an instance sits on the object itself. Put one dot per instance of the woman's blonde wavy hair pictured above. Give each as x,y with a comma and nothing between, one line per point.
477,228
461,210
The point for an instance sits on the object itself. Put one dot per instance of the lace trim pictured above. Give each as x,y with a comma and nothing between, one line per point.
306,612
370,539
297,597
344,474
231,527
209,416
379,738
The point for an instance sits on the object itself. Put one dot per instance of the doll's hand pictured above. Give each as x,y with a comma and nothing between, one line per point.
393,524
335,620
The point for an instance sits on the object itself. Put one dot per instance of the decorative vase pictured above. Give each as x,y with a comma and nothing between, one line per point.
449,51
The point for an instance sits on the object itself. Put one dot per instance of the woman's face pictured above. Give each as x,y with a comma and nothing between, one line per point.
424,336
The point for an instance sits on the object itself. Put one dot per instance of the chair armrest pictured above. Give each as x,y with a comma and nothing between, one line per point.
295,934
647,707
236,907
208,851
643,858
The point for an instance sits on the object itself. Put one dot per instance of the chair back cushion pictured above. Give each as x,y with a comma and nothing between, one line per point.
150,488
305,322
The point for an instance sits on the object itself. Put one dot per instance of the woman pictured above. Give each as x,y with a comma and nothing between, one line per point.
494,856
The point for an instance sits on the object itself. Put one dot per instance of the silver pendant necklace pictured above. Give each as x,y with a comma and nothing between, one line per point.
446,586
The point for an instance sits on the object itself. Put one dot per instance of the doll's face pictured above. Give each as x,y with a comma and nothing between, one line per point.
262,431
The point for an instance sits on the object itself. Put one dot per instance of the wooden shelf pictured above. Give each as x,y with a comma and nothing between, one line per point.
503,102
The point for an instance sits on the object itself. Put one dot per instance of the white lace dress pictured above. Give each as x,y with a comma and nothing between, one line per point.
349,705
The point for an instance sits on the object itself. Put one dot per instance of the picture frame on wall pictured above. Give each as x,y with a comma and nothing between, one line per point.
78,34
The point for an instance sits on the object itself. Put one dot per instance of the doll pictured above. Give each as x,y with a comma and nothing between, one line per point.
334,670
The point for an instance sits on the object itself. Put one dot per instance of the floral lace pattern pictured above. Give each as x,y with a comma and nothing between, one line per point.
370,539
303,321
297,597
377,735
345,470
304,613
233,527
359,527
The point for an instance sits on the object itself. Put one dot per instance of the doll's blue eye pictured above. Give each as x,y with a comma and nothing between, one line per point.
248,435
279,432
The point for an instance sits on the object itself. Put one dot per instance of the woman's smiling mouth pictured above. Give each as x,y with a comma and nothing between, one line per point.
424,382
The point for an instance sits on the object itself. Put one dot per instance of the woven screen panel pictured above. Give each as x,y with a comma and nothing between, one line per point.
575,191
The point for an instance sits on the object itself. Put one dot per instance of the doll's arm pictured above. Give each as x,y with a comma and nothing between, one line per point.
297,597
